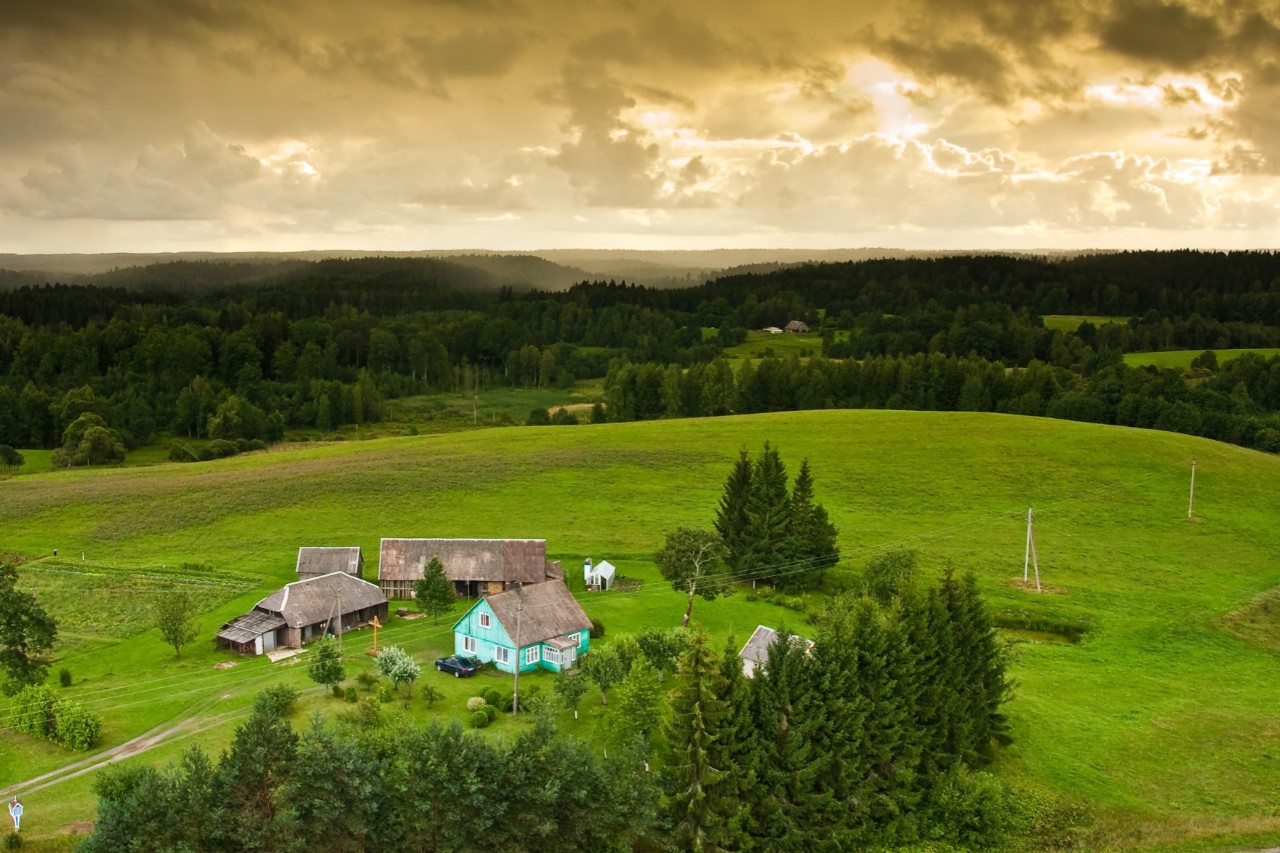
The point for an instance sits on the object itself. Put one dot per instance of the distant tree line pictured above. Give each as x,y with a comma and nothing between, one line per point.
319,345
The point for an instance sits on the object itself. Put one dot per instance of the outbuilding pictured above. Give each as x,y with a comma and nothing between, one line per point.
755,654
476,566
313,562
303,611
598,576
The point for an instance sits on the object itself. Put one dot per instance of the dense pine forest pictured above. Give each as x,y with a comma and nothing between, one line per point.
244,352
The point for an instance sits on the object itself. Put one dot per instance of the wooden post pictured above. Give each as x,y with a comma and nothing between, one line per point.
1191,498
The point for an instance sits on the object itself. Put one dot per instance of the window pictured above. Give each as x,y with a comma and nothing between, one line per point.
484,620
469,645
552,656
531,654
574,638
503,654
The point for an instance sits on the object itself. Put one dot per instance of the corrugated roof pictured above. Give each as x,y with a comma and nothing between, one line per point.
250,626
509,560
757,647
322,561
312,600
544,611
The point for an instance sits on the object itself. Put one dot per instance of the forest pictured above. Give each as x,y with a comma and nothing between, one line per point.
243,352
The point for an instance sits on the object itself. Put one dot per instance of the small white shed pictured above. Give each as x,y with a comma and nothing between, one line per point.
598,575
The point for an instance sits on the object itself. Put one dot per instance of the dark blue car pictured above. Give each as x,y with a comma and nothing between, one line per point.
458,666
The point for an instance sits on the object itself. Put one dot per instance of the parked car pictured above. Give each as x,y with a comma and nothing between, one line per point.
458,666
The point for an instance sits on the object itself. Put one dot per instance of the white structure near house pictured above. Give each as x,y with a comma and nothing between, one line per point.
755,654
773,330
598,575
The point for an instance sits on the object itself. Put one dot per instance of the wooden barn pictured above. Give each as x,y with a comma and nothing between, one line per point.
313,562
476,566
303,611
540,626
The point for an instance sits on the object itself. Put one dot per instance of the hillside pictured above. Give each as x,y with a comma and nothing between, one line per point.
1161,721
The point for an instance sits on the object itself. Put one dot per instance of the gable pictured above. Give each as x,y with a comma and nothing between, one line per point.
470,625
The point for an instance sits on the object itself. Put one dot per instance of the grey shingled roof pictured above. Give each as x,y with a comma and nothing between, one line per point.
312,600
250,626
322,561
522,560
545,610
757,647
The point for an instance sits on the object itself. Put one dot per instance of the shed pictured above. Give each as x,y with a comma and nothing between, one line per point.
303,611
755,654
773,330
600,575
322,561
797,326
476,566
540,626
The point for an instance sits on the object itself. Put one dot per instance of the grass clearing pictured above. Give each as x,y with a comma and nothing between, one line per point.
1161,718
1068,323
765,345
1181,359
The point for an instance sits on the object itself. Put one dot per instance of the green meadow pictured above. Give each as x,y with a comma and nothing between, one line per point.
1161,722
1068,323
766,345
1181,359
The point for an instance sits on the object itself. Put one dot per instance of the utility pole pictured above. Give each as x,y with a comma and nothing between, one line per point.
1191,498
1029,558
515,689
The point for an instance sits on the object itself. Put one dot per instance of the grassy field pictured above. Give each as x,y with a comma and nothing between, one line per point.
1070,322
1162,720
766,345
1181,359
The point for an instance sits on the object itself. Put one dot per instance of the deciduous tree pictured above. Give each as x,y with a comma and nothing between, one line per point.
174,614
27,632
693,561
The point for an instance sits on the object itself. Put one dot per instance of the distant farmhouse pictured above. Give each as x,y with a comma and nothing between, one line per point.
313,562
476,566
303,611
755,654
797,326
540,626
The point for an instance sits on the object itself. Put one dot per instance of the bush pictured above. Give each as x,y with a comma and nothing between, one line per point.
352,696
33,711
538,417
973,809
13,842
179,452
366,680
490,711
64,677
78,727
276,701
475,703
338,692
385,693
492,696
597,629
480,719
563,417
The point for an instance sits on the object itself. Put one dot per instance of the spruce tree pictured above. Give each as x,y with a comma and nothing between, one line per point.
433,593
698,781
732,521
986,688
768,511
810,546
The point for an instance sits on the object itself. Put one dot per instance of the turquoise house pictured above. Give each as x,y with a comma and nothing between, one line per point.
540,626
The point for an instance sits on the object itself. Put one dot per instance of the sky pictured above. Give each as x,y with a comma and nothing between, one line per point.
227,125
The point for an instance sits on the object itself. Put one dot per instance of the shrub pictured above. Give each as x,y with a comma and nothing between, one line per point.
179,452
366,680
492,696
490,712
475,703
538,417
479,719
385,692
78,727
33,711
973,809
338,692
597,629
64,677
13,842
563,417
277,700
352,696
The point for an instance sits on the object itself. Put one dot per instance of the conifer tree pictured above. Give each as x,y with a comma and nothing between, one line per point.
981,658
638,706
768,510
433,593
810,545
732,521
698,781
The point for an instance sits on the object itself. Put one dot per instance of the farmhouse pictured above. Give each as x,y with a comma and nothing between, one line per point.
321,561
797,326
476,566
755,654
541,626
302,611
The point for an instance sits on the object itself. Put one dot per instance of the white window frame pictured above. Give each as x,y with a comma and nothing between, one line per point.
531,655
502,654
575,638
552,656
469,645
484,620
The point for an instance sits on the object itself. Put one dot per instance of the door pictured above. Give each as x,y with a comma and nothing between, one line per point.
269,641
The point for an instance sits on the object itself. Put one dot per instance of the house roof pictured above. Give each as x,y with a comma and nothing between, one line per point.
250,626
544,611
797,325
757,648
604,569
522,560
322,561
312,600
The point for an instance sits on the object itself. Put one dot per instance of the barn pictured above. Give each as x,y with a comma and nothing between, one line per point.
476,566
313,562
303,611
